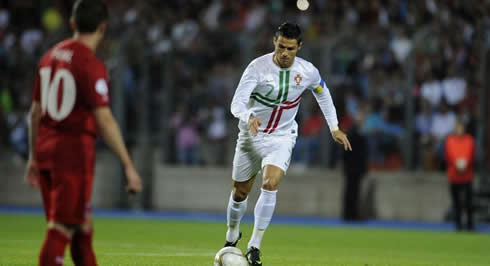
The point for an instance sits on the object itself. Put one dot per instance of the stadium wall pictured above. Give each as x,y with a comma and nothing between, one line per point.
416,196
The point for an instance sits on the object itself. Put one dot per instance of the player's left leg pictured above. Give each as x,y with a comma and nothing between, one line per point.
264,209
276,158
82,252
456,200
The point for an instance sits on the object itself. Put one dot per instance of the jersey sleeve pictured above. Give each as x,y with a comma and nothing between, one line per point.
98,86
324,99
239,104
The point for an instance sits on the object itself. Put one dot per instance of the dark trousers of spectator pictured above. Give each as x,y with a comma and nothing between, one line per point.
352,190
461,195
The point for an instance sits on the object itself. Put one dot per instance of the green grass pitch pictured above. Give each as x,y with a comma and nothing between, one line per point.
161,242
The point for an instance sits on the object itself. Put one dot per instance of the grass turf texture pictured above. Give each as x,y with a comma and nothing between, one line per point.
161,242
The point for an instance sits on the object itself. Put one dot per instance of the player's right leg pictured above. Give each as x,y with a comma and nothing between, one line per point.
246,165
237,206
58,235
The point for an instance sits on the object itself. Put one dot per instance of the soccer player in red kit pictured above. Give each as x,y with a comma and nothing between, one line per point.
70,107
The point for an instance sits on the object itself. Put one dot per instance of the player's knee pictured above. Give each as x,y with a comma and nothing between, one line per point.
270,183
240,194
87,226
65,229
241,189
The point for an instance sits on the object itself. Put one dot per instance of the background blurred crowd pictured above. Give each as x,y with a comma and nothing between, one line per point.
375,55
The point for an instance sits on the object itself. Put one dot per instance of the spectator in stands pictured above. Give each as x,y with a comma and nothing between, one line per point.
188,142
190,39
187,137
214,123
423,125
431,90
383,135
453,87
460,158
443,124
19,137
5,109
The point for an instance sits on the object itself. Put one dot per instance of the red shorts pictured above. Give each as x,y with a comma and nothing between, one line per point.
66,195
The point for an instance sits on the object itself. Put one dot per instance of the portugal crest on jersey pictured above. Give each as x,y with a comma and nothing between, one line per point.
298,80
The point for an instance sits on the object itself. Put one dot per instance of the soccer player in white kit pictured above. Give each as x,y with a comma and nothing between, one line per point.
266,102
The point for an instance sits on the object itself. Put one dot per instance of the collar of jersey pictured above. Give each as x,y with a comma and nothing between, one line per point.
280,68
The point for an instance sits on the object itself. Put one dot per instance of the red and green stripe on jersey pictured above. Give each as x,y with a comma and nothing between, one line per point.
279,104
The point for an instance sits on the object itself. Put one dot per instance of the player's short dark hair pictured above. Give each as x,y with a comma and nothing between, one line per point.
89,14
290,30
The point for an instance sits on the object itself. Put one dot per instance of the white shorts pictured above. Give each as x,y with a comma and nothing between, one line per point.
253,153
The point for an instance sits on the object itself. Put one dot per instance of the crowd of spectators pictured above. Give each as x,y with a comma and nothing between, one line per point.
203,46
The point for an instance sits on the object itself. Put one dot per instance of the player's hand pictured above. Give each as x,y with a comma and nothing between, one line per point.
461,165
254,124
341,138
31,176
134,180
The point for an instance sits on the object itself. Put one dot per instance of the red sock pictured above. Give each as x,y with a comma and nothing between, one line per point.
53,250
82,252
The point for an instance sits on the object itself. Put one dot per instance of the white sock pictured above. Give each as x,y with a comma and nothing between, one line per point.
263,215
234,215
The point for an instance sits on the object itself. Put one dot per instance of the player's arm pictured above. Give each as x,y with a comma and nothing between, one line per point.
34,119
110,132
31,175
325,101
447,152
239,108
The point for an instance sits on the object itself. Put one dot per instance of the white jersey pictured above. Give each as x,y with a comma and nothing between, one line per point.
273,94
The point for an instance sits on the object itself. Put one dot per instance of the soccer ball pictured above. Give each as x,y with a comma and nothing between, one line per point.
230,256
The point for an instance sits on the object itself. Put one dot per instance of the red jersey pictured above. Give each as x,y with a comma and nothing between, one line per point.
460,147
70,83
